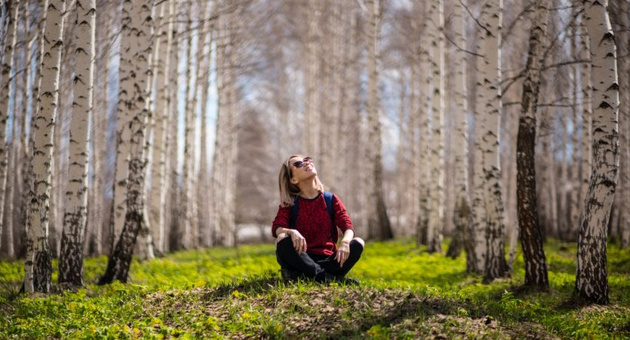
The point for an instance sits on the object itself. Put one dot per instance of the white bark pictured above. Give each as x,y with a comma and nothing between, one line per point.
462,197
587,113
312,128
141,24
186,211
161,69
574,193
436,189
624,112
489,219
423,155
378,221
7,72
124,118
203,190
145,236
172,239
223,165
96,209
38,267
75,214
592,279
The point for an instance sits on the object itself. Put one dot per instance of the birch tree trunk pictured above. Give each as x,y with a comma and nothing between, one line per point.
75,214
7,72
563,179
313,114
38,265
436,190
217,181
139,92
624,113
489,217
402,168
96,201
591,282
29,20
124,117
587,112
186,211
462,215
424,150
223,166
232,133
339,83
378,223
172,146
203,189
8,233
574,193
162,68
145,235
531,235
353,120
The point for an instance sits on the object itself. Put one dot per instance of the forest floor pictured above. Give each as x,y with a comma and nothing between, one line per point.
405,293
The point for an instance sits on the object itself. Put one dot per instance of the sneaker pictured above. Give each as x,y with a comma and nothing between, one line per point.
289,275
350,281
342,280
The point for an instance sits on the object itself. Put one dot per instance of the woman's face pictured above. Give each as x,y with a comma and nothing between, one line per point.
302,168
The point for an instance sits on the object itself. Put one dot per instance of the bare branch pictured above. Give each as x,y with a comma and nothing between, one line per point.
473,17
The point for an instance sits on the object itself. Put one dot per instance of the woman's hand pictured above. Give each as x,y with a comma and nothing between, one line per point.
343,252
299,242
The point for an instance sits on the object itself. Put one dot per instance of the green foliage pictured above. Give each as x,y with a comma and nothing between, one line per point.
405,293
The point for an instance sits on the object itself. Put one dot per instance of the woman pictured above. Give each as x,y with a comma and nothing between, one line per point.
306,243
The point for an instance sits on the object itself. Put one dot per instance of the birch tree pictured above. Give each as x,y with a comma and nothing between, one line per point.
96,201
204,57
313,104
424,126
123,120
487,205
75,214
187,172
436,190
462,215
530,232
223,165
378,221
587,112
618,11
591,282
7,71
139,43
162,67
38,266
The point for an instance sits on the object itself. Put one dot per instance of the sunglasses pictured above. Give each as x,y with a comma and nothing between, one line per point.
301,163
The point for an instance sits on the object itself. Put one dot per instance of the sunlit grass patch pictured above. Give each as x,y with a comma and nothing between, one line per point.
405,293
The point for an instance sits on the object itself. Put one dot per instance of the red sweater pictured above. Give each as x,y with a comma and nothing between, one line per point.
313,222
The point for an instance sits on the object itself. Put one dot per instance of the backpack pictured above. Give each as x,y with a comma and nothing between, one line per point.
328,197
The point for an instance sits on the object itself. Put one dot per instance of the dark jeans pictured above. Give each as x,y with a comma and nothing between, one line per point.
318,267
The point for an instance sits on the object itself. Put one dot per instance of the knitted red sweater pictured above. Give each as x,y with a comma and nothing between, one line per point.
313,222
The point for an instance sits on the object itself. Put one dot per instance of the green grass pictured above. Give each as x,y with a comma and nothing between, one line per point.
405,293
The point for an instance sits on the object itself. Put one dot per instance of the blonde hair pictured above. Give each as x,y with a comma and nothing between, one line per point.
288,190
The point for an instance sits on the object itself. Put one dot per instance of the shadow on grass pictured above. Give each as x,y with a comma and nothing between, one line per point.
411,307
10,291
249,285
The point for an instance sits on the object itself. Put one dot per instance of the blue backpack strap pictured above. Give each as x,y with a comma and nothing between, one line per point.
294,213
328,197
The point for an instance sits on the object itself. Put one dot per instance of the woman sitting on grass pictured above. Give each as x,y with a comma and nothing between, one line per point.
306,227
